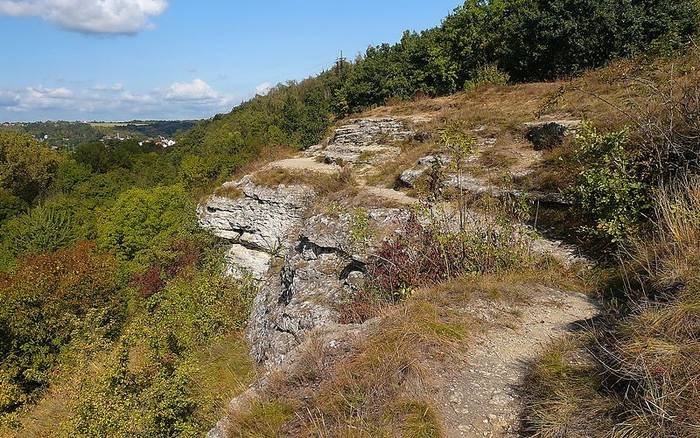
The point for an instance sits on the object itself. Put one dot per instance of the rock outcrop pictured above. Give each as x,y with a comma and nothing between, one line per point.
410,178
257,222
322,261
324,267
363,141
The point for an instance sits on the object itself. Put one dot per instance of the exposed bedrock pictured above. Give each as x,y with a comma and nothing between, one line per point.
257,221
322,269
364,141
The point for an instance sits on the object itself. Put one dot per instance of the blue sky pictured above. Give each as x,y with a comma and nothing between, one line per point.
169,59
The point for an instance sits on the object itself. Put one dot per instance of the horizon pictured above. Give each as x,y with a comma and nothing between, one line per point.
95,53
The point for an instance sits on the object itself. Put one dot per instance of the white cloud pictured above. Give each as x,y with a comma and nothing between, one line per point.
114,88
40,97
90,16
180,100
8,99
263,89
197,91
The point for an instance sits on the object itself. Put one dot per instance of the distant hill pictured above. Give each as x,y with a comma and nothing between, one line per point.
147,128
60,134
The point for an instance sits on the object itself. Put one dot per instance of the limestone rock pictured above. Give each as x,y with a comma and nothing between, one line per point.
258,222
410,176
242,262
322,269
472,184
362,141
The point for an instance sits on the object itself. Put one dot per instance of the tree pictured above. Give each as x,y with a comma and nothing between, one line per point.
45,302
42,229
26,168
144,220
10,206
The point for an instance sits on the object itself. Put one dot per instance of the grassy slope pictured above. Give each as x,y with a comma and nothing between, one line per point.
375,388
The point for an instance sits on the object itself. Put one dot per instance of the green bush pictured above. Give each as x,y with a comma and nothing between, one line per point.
144,220
44,228
10,206
488,75
609,190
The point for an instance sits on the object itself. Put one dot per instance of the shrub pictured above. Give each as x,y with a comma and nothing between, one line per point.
668,128
44,228
45,302
144,220
422,255
181,255
609,190
150,386
10,206
547,137
487,75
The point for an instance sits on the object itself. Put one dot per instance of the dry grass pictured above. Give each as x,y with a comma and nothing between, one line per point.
379,384
609,98
229,191
563,394
372,390
264,157
642,371
321,183
387,174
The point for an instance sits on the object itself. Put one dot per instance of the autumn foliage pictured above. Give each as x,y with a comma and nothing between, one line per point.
46,300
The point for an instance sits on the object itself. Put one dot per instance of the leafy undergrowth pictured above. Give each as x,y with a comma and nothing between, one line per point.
637,374
162,364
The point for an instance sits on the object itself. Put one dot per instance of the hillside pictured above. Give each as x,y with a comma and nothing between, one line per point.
487,229
68,135
437,348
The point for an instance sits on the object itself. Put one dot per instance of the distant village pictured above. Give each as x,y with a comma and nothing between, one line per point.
161,141
59,135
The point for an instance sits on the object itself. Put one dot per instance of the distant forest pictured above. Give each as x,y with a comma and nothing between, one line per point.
60,134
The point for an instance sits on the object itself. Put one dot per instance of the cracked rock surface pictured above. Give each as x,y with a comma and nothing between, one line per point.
323,268
362,141
257,223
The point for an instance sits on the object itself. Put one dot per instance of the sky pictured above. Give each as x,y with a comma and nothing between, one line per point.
179,59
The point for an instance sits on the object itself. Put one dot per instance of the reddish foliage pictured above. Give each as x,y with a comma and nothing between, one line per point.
75,278
186,253
150,282
411,259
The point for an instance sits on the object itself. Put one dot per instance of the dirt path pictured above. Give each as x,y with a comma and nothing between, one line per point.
478,396
302,164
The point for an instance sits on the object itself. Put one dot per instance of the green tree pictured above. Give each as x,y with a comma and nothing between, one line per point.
42,229
26,167
143,220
